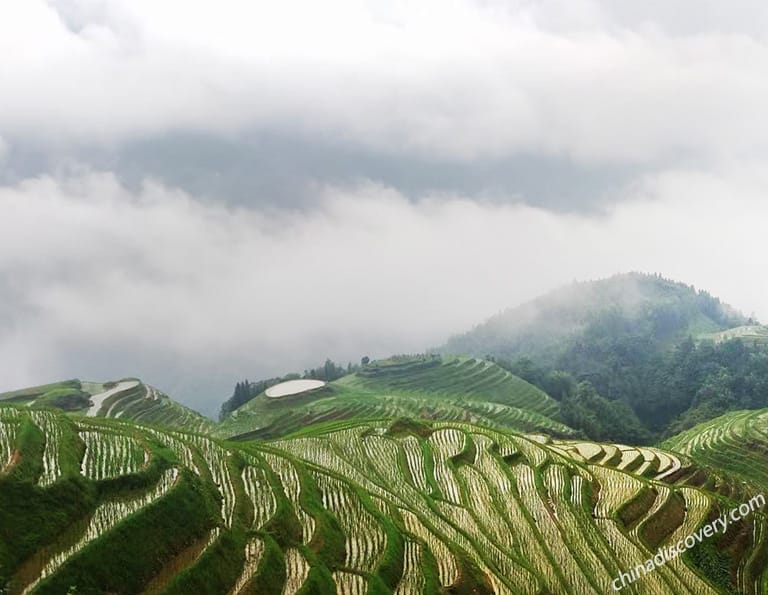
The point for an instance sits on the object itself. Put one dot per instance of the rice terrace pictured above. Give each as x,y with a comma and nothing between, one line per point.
375,297
428,473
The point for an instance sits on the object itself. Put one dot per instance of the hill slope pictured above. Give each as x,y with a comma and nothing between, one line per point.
753,335
128,399
736,442
634,347
377,507
452,388
631,304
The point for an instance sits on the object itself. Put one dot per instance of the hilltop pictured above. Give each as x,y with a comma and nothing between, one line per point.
108,505
633,358
419,386
127,398
632,304
434,387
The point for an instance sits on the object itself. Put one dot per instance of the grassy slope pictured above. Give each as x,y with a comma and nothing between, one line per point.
141,403
733,450
455,388
751,335
27,395
406,506
736,442
462,389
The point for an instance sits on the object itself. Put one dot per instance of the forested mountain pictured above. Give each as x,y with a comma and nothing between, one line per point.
581,317
632,357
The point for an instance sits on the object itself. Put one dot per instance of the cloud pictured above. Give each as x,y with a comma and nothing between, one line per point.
196,193
98,281
280,170
598,82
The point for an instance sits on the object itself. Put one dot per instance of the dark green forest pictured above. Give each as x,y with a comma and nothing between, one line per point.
631,358
633,393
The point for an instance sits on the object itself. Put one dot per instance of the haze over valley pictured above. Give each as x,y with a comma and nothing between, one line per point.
194,199
373,297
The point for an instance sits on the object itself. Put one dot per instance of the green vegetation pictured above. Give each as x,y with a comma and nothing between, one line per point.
601,418
247,390
123,559
68,399
595,312
659,356
526,471
138,402
461,389
735,443
752,335
30,394
403,506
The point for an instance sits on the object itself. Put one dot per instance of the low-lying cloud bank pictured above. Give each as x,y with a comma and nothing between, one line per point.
98,281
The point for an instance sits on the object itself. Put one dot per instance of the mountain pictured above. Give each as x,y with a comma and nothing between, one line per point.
627,305
128,398
524,470
99,505
434,387
656,353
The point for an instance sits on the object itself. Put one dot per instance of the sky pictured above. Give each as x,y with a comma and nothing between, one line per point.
196,193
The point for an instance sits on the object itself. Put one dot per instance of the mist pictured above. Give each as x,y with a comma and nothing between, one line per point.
196,194
102,282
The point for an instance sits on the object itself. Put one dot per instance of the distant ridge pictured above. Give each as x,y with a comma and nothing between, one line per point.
668,310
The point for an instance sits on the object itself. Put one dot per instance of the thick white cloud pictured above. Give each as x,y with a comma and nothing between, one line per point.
597,81
168,286
99,280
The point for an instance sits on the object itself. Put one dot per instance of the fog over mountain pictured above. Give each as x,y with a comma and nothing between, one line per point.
198,193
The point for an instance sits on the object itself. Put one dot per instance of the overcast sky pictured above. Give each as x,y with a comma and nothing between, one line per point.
199,192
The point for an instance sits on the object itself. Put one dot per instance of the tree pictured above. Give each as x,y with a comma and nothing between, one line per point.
559,385
601,418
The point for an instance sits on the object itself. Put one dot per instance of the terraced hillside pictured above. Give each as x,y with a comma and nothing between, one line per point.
751,335
453,376
128,399
736,443
107,505
446,388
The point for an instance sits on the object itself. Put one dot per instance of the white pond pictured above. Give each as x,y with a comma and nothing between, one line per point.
293,387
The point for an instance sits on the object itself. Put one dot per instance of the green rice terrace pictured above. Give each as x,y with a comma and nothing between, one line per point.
128,399
108,505
446,388
750,335
736,442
